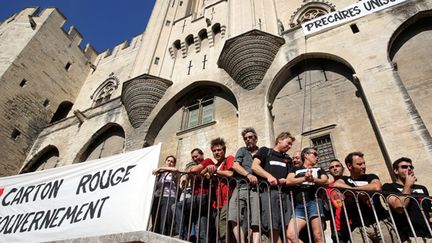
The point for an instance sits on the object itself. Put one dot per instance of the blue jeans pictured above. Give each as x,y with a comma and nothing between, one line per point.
192,206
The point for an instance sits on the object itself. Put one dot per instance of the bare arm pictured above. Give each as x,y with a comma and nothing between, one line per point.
341,184
257,169
196,168
240,170
292,181
165,168
323,180
375,185
227,173
399,202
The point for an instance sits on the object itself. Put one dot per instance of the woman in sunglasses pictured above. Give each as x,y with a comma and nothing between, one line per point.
307,180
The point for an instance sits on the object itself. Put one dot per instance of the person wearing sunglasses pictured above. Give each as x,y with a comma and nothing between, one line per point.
238,205
307,179
403,170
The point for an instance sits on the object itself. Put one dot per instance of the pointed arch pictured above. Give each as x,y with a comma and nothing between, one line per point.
103,93
47,158
418,23
109,140
62,111
299,63
195,91
310,86
310,10
192,117
409,51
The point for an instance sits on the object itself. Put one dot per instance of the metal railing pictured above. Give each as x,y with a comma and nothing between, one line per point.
188,215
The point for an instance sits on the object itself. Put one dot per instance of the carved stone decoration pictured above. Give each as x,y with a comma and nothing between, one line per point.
247,57
310,10
140,95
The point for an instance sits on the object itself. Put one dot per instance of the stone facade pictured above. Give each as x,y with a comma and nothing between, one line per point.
204,69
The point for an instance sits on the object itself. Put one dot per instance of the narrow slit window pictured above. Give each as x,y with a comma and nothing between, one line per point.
68,66
15,134
354,28
23,83
46,102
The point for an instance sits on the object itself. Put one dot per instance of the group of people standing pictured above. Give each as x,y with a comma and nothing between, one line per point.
264,191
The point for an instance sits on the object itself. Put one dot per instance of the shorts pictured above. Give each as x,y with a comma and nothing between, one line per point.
241,211
275,209
312,210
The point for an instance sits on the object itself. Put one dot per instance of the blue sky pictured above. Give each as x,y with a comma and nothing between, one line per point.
103,23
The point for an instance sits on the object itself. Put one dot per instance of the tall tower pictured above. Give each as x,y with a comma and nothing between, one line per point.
42,69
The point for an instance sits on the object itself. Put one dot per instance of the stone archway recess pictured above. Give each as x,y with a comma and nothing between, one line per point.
330,63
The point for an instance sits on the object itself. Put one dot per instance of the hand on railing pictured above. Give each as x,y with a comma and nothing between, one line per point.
253,180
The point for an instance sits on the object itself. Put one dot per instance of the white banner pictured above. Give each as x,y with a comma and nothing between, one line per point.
355,11
106,196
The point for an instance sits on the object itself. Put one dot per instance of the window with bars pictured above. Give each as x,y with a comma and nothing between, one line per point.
197,114
325,150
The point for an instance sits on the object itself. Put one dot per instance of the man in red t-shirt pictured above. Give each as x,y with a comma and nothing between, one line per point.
336,170
190,207
224,170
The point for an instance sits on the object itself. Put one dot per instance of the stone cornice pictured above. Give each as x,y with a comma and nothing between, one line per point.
140,95
247,57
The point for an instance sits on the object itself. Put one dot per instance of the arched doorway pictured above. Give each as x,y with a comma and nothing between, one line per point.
45,159
197,114
109,140
62,111
410,49
317,97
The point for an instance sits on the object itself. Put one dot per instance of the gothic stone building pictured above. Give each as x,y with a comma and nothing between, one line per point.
209,68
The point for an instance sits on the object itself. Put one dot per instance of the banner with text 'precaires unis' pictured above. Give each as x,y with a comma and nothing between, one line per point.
105,196
355,11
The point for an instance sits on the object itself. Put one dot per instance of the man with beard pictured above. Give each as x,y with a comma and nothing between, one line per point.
359,180
405,184
238,205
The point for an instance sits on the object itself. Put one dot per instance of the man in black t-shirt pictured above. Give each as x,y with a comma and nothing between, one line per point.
405,184
370,183
273,165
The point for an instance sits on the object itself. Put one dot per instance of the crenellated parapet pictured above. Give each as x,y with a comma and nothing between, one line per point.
247,57
74,36
140,95
119,49
36,18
